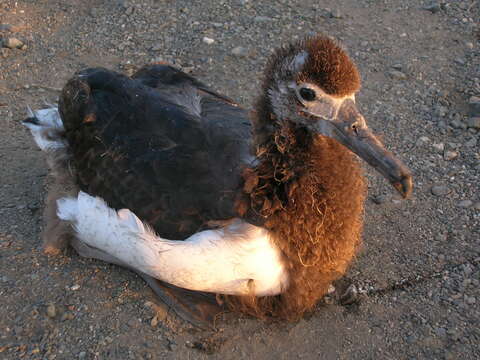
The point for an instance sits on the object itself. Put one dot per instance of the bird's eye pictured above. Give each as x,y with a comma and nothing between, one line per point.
307,94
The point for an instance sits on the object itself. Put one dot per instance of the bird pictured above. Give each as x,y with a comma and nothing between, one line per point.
163,175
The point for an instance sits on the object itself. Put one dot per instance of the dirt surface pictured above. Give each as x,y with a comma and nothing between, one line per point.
419,267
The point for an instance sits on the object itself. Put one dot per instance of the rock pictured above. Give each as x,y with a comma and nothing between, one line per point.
423,140
129,10
476,206
474,122
457,124
335,14
439,148
239,51
465,204
450,155
75,287
453,334
82,355
208,40
380,199
441,237
5,27
410,339
154,321
440,190
12,43
433,7
397,67
51,311
441,110
397,75
470,300
474,106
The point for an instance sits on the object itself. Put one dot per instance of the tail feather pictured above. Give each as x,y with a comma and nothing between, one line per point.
46,128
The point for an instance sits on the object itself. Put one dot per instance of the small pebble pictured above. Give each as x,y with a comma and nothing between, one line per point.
440,190
82,355
465,203
450,155
433,7
398,75
51,311
261,19
12,43
457,124
154,321
441,110
129,10
398,67
239,51
474,106
471,300
439,148
208,40
75,287
335,14
474,123
380,199
441,237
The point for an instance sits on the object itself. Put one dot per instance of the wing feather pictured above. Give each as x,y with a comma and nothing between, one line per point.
160,143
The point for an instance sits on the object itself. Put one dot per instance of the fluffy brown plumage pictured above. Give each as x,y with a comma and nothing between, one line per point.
309,188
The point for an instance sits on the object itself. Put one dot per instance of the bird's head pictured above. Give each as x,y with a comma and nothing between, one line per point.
313,83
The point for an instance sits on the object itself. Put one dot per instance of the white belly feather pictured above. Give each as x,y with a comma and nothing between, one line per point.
238,259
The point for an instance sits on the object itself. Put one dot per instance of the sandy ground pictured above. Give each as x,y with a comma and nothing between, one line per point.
420,263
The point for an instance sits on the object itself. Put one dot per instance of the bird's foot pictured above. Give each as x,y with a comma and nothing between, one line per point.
197,308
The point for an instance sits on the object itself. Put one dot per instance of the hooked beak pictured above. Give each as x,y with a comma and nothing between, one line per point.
350,129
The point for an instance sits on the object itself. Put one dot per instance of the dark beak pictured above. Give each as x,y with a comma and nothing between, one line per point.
350,129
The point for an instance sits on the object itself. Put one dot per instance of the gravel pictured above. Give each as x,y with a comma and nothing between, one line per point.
417,271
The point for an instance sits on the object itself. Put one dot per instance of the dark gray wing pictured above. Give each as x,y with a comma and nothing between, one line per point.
160,144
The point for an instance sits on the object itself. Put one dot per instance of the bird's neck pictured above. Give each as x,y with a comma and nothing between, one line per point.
310,190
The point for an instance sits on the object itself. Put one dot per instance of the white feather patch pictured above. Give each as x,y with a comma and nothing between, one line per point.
48,129
238,259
